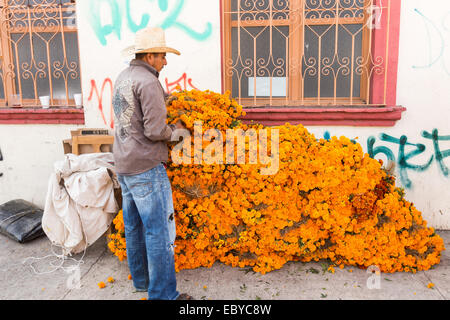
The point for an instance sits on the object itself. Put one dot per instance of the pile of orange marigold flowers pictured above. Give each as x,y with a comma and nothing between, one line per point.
328,200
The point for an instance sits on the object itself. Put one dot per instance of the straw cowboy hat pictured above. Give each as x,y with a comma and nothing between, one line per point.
149,40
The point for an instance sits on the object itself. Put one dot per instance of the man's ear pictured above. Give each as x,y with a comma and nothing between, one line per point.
149,58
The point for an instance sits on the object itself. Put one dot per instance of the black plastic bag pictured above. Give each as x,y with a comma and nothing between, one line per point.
21,221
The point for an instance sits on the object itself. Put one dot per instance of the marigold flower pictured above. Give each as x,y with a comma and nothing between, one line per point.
101,285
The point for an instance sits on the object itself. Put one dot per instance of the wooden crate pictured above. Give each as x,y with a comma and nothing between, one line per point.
83,144
95,142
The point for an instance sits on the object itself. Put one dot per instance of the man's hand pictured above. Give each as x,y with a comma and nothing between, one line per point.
170,98
179,133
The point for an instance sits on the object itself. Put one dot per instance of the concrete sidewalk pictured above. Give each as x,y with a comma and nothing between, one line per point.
25,278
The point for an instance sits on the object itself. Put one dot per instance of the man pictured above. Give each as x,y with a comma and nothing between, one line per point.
140,150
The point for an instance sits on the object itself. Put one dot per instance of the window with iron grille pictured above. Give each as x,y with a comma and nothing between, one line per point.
39,53
305,52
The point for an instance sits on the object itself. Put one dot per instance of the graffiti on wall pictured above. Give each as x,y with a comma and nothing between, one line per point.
437,45
402,152
107,87
183,83
100,96
402,158
119,13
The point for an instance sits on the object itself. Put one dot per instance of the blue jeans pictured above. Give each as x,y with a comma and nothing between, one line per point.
149,220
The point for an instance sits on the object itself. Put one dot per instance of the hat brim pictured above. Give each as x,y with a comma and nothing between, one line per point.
132,50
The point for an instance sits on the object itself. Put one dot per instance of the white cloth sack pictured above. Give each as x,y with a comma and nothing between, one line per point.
80,203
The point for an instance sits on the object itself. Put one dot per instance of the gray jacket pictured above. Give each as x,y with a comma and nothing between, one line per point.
141,132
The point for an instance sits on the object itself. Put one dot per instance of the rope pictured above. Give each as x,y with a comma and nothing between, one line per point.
62,258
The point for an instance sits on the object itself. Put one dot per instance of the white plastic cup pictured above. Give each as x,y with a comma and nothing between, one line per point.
78,100
15,100
45,101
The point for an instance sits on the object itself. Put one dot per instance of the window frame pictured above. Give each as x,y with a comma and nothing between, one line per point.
61,111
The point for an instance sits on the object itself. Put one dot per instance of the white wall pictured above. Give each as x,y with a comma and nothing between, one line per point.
193,27
29,152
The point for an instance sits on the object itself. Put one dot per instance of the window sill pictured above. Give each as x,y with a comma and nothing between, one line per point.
358,116
27,115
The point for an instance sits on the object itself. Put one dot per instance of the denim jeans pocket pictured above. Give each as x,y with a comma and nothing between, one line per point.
142,190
